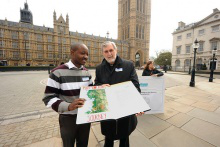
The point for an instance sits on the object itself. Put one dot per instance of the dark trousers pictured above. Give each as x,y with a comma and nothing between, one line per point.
70,131
123,142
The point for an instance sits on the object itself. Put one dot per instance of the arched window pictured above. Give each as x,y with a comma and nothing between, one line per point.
136,31
137,5
140,28
177,63
187,63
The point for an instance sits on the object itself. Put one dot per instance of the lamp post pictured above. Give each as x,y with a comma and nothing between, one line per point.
192,82
165,67
214,51
107,35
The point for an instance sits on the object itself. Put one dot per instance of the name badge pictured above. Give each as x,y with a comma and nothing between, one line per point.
118,69
85,79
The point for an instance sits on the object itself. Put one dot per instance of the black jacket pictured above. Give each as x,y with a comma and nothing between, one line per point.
148,72
121,71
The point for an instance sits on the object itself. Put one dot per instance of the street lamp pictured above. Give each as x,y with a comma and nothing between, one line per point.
107,35
214,51
192,82
165,66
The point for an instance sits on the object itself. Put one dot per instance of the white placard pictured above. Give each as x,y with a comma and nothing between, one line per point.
152,90
112,102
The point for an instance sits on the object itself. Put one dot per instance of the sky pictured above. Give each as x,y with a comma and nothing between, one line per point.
99,16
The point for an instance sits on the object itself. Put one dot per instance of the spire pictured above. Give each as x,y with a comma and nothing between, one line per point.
67,18
54,16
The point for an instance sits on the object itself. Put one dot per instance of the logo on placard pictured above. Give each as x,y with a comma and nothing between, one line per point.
143,84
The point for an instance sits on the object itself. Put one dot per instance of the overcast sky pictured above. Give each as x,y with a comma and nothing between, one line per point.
99,16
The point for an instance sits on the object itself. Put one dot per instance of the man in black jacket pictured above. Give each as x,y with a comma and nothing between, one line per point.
114,70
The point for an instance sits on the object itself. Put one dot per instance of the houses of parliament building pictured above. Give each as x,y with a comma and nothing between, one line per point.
23,43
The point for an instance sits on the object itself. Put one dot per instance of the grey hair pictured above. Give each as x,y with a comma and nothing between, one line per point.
106,43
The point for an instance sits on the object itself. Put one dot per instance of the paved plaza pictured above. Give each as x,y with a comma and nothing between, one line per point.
191,117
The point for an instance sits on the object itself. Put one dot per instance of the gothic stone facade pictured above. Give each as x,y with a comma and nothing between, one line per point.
22,42
207,32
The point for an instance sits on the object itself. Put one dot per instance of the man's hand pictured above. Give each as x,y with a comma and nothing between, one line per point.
77,103
106,85
154,75
139,114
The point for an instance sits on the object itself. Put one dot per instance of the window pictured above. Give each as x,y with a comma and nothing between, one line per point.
27,45
178,50
188,49
187,62
141,5
201,32
60,49
201,45
14,44
179,37
137,5
140,28
144,6
73,41
64,40
2,43
88,44
15,54
128,31
49,38
59,40
50,56
26,36
143,32
125,52
215,28
177,63
50,48
39,37
39,47
14,35
40,55
28,55
128,5
214,44
188,35
1,33
2,53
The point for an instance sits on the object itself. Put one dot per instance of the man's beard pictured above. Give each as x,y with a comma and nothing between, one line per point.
111,61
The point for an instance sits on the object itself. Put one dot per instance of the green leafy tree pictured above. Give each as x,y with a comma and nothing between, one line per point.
161,59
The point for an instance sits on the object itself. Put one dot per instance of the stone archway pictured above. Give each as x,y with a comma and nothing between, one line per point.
137,59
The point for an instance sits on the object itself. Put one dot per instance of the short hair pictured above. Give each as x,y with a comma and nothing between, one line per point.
76,46
106,43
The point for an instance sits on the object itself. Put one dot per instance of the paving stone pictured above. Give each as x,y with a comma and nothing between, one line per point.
179,107
21,119
52,142
93,142
185,101
97,132
216,101
206,115
150,125
168,112
179,119
206,106
49,114
218,110
173,137
198,98
137,139
204,130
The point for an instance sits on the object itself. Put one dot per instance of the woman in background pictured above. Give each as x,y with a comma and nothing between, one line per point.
150,70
